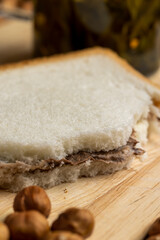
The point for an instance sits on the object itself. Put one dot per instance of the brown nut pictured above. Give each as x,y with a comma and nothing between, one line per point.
59,235
4,232
155,237
155,228
32,198
30,225
75,220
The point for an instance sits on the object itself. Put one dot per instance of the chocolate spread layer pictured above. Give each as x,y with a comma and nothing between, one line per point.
118,155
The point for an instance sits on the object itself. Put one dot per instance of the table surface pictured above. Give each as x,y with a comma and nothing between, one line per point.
125,203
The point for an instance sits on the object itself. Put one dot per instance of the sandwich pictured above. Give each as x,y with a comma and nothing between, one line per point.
76,115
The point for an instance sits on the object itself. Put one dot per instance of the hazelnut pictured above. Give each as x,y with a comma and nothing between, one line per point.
4,232
30,225
155,228
75,220
32,198
59,235
155,237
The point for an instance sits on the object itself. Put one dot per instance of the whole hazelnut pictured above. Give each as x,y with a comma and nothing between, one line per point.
59,235
155,228
32,198
30,225
155,237
75,220
4,232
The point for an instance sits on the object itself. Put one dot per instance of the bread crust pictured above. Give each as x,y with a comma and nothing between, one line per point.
77,54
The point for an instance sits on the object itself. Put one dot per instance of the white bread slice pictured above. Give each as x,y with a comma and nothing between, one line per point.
50,108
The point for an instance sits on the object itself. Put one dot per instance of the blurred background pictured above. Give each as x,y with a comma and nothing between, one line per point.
34,28
16,31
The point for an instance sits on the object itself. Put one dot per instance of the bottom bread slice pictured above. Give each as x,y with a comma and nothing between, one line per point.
48,173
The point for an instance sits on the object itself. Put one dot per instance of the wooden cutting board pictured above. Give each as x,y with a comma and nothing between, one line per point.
124,204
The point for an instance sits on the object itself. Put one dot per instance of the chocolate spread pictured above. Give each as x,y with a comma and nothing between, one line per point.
118,155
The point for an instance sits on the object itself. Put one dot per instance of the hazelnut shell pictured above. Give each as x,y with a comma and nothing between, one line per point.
32,198
75,220
59,235
30,225
155,237
155,228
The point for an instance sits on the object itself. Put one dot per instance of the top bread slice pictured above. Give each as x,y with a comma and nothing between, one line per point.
84,101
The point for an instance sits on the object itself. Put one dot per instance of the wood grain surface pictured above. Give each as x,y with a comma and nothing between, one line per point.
124,204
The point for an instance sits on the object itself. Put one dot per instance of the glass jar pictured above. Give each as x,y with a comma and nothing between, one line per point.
130,27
